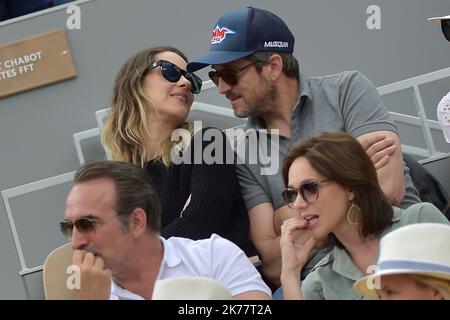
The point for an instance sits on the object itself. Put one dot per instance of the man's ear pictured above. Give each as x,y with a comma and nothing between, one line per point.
138,222
276,66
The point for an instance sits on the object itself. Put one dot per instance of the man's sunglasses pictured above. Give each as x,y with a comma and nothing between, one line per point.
85,226
445,26
309,191
229,76
173,73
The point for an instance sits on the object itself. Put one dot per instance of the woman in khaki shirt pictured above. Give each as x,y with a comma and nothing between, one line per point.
332,183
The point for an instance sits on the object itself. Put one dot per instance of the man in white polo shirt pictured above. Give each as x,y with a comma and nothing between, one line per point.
112,218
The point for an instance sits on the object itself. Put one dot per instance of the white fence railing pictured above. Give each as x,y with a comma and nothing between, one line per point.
411,84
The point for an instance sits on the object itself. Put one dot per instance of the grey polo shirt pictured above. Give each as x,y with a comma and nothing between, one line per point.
347,101
333,277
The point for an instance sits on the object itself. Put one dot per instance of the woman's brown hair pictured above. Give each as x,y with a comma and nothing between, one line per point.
341,158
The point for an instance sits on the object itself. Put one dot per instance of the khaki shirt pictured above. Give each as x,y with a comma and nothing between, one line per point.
333,277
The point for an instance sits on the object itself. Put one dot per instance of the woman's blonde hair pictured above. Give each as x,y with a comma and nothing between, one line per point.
441,285
126,125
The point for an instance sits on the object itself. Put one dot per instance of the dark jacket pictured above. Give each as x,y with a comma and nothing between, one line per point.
430,189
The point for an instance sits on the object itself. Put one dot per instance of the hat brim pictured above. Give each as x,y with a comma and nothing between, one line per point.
362,288
439,18
216,57
192,288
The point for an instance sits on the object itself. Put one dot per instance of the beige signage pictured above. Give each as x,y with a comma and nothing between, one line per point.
35,62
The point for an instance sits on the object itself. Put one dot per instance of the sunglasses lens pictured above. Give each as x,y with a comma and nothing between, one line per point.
289,196
445,24
170,72
309,191
173,74
66,228
84,225
226,75
229,77
196,82
214,76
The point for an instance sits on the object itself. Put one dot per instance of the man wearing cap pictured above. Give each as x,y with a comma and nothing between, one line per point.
253,66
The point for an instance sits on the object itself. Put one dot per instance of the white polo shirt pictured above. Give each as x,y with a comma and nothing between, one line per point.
215,258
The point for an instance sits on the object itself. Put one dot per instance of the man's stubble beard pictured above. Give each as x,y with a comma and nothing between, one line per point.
263,103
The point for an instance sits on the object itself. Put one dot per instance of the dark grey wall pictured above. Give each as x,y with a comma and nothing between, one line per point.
36,127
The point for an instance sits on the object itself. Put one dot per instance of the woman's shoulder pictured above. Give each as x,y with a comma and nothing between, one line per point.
421,212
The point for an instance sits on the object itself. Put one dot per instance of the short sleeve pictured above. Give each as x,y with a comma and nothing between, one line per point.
427,212
253,193
232,267
361,105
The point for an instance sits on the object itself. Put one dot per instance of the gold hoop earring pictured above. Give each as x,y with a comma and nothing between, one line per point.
349,220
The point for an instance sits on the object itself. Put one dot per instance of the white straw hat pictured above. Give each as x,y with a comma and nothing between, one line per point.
421,248
190,288
438,19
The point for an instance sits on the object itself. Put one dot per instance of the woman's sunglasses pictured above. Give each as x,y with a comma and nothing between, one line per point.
309,191
85,226
445,26
229,76
173,73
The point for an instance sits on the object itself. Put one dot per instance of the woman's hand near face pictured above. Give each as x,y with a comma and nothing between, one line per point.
296,244
295,252
281,215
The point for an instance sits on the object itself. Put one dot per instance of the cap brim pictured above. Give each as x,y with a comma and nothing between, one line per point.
362,288
439,18
216,57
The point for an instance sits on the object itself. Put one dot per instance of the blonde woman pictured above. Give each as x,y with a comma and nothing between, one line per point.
152,96
413,264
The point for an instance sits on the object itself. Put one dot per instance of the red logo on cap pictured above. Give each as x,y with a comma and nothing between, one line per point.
219,34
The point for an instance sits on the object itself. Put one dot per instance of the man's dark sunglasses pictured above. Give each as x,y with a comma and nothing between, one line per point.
445,26
173,73
229,76
309,191
84,226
